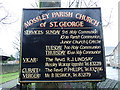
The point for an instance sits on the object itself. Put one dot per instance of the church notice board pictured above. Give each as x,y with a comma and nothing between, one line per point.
62,45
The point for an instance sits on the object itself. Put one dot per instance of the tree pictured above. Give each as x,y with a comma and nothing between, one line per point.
16,45
83,4
11,58
89,4
5,16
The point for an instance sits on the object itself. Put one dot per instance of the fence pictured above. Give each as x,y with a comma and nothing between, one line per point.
8,68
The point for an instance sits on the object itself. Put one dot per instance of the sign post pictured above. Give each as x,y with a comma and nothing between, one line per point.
62,45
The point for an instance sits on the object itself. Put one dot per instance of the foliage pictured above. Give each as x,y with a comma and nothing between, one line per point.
11,58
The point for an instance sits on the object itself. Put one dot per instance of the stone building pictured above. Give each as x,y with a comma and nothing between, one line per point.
114,57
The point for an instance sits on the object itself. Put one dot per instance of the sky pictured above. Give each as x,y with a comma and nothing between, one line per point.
9,32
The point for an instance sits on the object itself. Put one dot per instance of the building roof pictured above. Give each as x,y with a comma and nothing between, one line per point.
4,58
116,46
111,51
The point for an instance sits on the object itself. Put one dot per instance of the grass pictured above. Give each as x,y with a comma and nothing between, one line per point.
7,77
9,74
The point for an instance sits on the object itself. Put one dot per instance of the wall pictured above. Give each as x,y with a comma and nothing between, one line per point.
8,68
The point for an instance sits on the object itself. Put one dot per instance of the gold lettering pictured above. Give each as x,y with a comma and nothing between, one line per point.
58,70
95,69
73,32
31,70
90,37
64,64
87,32
33,32
76,59
52,32
59,59
30,60
63,75
64,37
90,47
48,70
55,53
77,64
67,24
47,75
53,24
87,19
95,63
94,41
62,14
80,42
73,69
31,76
87,74
65,42
74,37
36,19
51,64
69,52
49,59
91,52
55,47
